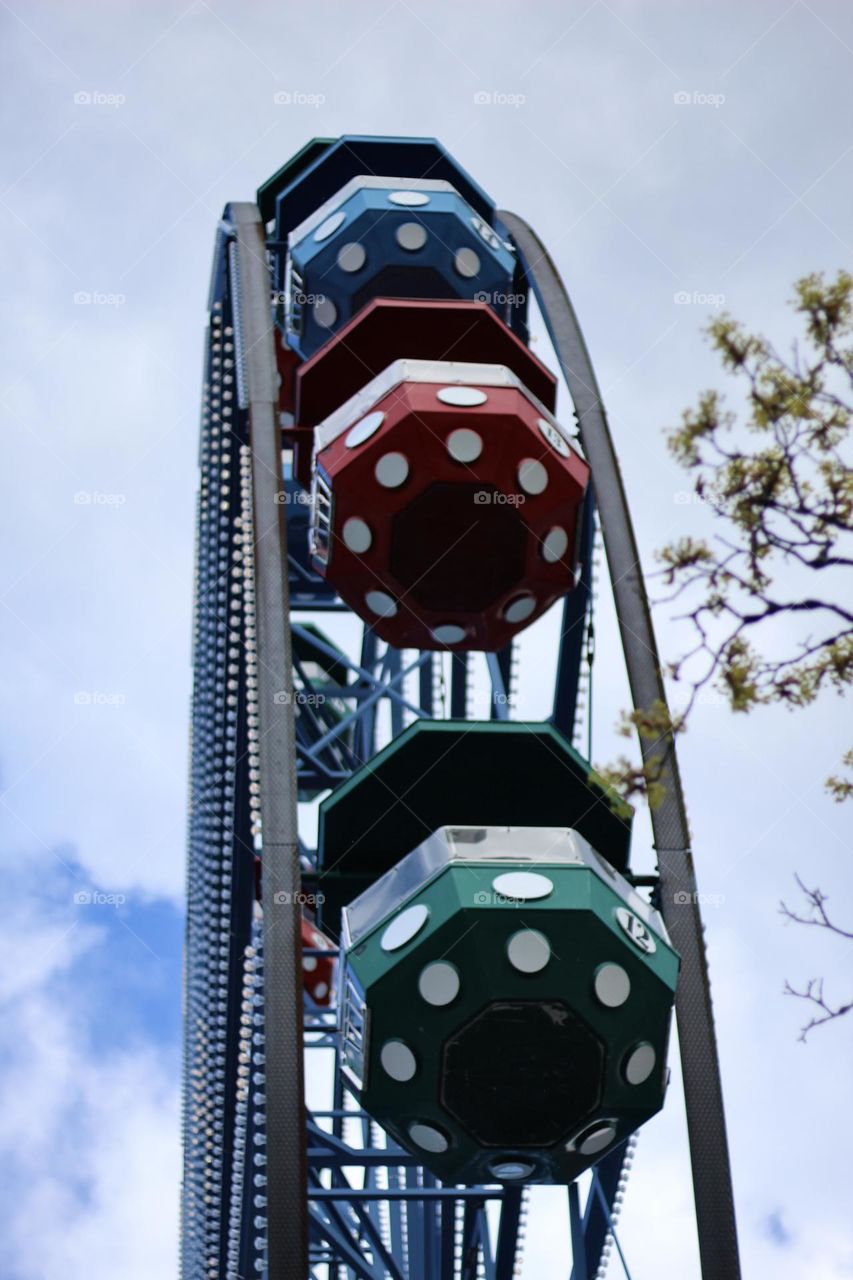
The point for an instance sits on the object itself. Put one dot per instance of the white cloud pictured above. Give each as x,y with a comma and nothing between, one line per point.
89,1129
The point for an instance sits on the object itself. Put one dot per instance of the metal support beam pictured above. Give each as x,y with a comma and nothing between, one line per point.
507,1241
712,1181
499,676
476,1194
596,1220
567,685
257,381
596,1190
580,1266
459,663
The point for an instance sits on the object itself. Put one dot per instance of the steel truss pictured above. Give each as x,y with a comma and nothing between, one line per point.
272,1188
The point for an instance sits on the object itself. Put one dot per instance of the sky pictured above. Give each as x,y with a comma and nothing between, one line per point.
677,160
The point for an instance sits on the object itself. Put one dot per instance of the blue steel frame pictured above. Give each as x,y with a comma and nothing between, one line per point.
373,1211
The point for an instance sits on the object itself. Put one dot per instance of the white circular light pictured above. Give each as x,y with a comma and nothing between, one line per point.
509,1170
321,990
597,1139
325,312
408,198
391,470
520,609
554,545
552,435
356,535
428,1138
411,236
352,257
529,951
398,1061
462,397
380,603
526,886
309,963
363,430
404,927
467,263
330,226
464,445
439,983
532,476
639,1064
612,985
448,633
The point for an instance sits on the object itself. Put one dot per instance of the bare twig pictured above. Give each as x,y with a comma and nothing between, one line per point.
813,992
816,916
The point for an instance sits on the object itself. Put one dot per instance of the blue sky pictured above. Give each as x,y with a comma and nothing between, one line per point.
663,152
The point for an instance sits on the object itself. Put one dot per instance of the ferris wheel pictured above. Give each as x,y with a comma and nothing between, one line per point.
422,977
